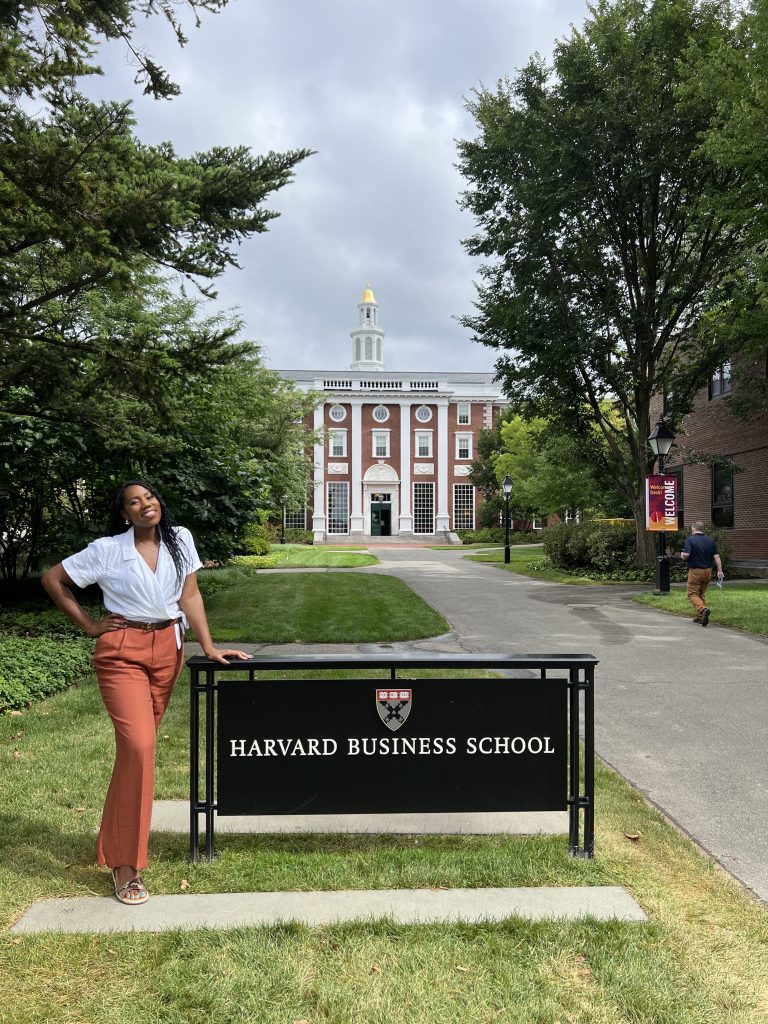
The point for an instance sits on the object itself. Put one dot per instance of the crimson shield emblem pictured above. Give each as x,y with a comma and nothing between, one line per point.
393,705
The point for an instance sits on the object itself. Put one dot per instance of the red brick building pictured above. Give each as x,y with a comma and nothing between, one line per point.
397,447
736,498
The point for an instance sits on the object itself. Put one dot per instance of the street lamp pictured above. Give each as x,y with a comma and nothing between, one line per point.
282,523
506,486
661,439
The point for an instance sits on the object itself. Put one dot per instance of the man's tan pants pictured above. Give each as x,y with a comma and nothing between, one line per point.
698,581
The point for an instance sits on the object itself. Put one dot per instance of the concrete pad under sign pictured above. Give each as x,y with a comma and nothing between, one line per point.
173,816
403,906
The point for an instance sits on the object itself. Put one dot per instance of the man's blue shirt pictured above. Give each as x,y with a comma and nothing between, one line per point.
701,551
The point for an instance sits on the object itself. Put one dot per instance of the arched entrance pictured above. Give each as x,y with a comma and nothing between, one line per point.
381,500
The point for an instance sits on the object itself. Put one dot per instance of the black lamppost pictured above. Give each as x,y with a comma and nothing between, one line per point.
506,486
661,439
282,523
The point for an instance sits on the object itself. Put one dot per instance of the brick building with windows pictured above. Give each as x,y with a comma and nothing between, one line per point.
397,447
735,499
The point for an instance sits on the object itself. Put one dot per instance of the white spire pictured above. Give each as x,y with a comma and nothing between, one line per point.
368,337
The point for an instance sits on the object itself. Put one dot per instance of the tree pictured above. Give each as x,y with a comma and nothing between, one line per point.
606,225
553,472
101,364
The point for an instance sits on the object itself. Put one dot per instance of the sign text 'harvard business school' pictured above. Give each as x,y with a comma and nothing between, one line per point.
354,746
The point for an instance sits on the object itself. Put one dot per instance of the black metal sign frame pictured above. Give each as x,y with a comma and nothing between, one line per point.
578,668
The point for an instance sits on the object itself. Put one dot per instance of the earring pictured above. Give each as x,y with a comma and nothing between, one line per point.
127,522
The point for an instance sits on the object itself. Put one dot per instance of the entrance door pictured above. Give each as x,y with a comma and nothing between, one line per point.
381,519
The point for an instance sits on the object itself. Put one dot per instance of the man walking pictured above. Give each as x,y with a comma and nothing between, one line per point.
699,552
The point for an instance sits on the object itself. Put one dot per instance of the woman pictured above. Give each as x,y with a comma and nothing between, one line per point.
146,567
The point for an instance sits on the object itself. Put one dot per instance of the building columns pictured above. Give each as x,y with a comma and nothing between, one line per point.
357,518
318,506
442,522
405,519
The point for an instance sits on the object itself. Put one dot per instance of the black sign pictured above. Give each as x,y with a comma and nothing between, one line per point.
352,746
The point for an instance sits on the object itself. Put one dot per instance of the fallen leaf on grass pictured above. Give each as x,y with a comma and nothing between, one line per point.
464,970
633,836
14,714
18,735
184,884
81,810
17,754
375,969
304,1020
15,942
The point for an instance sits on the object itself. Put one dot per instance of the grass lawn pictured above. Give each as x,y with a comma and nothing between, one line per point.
737,604
311,608
519,559
702,958
303,556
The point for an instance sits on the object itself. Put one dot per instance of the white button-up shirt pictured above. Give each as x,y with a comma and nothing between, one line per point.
129,586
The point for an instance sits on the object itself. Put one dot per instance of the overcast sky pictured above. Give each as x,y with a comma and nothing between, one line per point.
378,89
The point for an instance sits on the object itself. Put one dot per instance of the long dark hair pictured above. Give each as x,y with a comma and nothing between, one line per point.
166,527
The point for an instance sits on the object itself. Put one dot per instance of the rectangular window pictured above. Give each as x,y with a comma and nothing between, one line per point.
338,507
338,444
423,444
720,384
463,446
424,508
462,413
295,518
722,496
463,507
381,444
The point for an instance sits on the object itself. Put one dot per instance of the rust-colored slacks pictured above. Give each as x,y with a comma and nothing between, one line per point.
698,581
136,673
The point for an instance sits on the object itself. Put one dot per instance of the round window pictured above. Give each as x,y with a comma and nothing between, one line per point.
338,413
423,414
381,413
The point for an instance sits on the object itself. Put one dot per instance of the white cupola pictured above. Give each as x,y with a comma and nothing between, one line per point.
368,337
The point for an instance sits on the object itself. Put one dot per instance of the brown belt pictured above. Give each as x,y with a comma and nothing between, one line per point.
150,627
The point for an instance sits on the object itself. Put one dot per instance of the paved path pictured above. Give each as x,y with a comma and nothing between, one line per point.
404,906
682,712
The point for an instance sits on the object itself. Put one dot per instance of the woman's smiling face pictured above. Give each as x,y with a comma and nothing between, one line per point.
141,507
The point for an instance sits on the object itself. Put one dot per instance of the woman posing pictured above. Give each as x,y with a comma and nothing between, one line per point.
146,567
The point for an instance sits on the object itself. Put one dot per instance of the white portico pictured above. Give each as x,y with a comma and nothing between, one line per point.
395,449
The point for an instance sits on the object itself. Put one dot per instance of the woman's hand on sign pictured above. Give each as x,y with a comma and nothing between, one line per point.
222,656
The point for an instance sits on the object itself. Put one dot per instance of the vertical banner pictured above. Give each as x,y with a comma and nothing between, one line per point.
660,502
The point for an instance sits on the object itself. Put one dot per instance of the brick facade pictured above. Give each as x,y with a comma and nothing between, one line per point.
712,429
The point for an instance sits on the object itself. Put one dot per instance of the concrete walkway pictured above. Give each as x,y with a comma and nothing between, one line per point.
403,906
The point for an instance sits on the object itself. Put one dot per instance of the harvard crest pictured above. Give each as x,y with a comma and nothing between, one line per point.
393,706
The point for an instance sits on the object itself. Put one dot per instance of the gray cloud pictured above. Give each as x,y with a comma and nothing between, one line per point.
378,90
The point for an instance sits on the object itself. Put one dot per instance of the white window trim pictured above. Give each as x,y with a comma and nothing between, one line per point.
328,486
337,432
340,408
468,437
386,432
416,453
373,417
418,409
459,407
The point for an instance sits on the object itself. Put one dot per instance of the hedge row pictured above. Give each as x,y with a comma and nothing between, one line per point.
496,535
35,667
610,547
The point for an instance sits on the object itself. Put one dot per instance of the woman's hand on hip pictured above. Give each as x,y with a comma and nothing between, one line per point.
108,624
223,655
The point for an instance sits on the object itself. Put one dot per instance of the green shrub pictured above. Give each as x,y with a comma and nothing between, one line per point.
48,622
253,541
609,548
495,535
35,667
604,547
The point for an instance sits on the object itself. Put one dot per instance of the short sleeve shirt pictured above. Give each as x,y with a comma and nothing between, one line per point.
129,586
701,550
